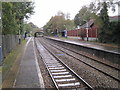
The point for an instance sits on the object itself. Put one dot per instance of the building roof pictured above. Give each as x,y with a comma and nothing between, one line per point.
88,24
114,18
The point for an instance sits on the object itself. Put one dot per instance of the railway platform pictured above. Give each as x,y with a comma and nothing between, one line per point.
29,75
105,47
40,62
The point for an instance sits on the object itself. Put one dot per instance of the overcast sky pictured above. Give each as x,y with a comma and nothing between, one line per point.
45,9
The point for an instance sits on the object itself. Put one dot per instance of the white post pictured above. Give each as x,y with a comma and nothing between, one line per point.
87,30
96,34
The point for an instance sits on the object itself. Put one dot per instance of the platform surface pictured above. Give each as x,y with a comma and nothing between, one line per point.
90,44
28,75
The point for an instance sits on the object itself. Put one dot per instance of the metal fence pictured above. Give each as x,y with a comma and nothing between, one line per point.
0,48
9,42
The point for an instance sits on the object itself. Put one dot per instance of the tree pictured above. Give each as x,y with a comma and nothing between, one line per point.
83,15
105,25
115,32
98,5
27,27
69,24
14,14
8,19
77,20
23,10
108,31
58,23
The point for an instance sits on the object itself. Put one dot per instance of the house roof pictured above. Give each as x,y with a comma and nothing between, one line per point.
88,24
114,18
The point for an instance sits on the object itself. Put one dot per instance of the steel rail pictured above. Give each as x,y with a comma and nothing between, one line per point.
89,64
90,58
80,78
48,69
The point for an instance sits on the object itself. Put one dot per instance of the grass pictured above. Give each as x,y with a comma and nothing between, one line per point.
11,65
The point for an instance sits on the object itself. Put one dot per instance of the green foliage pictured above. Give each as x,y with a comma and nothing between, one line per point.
105,25
115,32
69,24
8,18
96,6
27,27
104,15
13,15
23,9
83,15
77,20
55,23
58,23
108,32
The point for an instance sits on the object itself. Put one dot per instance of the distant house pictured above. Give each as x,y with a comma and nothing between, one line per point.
114,18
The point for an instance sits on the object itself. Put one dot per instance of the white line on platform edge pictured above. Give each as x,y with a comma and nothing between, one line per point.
38,68
28,41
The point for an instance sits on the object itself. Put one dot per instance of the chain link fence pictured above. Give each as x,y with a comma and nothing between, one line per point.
1,49
9,42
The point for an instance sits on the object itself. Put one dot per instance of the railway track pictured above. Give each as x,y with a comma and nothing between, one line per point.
98,69
116,68
61,74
